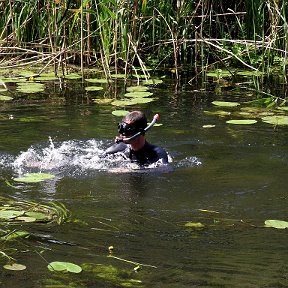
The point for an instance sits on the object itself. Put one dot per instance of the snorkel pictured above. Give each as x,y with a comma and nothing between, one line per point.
156,117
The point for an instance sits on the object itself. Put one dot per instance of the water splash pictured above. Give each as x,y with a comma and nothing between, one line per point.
73,156
188,162
77,157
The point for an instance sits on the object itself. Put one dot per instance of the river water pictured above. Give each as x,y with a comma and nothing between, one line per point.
229,178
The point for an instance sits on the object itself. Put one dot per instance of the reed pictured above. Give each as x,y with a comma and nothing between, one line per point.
124,35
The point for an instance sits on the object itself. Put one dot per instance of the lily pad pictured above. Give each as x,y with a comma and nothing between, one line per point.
97,80
34,119
5,98
156,124
278,224
225,103
122,102
30,87
34,177
136,88
93,88
47,77
219,73
120,113
152,82
137,94
119,76
15,235
73,76
219,113
208,126
64,267
103,101
141,100
15,267
242,121
283,108
194,225
10,214
276,120
26,73
36,215
26,219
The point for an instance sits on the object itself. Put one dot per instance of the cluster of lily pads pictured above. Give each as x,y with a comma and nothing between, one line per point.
14,212
23,211
251,114
134,95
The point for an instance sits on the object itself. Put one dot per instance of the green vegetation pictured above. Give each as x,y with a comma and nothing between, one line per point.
127,35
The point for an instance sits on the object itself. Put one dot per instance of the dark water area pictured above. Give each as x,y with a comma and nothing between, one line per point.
230,178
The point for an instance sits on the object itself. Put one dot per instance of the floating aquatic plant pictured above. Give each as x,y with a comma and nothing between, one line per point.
225,103
137,88
34,177
278,224
136,94
47,77
34,119
283,108
120,113
24,211
276,120
122,103
103,101
93,88
110,274
152,82
14,267
120,76
194,225
30,87
242,121
5,98
64,267
209,126
13,235
219,113
73,76
99,81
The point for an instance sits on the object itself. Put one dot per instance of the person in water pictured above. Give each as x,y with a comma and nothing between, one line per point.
138,150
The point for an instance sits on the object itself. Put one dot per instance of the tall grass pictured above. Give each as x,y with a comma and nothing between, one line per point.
123,35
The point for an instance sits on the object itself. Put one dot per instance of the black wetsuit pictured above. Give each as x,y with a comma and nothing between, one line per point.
145,156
